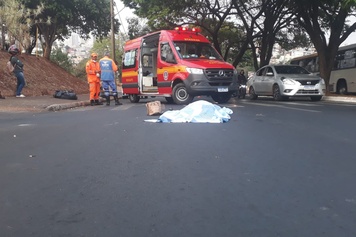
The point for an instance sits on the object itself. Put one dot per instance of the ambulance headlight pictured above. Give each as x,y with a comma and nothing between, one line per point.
194,70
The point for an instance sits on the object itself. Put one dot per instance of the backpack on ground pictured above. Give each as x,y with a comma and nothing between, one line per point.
63,94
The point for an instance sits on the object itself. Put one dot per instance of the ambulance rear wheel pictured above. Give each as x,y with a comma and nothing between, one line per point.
134,98
180,94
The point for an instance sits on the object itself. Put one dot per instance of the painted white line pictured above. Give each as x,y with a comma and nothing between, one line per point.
284,107
25,125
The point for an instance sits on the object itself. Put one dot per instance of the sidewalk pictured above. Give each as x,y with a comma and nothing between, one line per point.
41,103
49,103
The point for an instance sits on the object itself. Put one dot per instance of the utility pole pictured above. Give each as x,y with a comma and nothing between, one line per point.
112,30
3,36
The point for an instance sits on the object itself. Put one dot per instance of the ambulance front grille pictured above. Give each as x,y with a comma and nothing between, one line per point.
214,74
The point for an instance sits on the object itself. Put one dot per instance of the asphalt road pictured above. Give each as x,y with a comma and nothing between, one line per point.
275,169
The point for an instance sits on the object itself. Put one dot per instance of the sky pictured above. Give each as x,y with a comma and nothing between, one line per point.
122,13
350,40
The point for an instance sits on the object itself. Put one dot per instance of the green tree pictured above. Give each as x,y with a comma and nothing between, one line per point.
67,16
267,23
326,23
100,47
103,45
137,28
61,59
18,21
79,70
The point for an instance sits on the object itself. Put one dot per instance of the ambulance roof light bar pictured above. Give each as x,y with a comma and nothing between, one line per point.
187,29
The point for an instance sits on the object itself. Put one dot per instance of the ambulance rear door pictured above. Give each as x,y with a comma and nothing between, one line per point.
148,64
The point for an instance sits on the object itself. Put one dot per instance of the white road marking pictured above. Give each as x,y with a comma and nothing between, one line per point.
282,106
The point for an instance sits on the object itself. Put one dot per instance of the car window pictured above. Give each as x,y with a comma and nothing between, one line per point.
269,71
260,72
288,69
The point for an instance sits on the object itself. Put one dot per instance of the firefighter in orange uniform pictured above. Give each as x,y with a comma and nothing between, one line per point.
92,69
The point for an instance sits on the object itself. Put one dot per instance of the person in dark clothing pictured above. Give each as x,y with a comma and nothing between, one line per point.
241,78
18,70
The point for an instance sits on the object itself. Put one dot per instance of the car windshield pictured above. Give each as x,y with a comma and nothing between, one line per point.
194,50
284,69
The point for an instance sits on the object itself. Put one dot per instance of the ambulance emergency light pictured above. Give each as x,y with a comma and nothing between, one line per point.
186,29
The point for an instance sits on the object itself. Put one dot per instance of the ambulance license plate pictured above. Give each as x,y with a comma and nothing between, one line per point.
223,89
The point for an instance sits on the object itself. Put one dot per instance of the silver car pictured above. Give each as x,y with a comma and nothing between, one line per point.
284,81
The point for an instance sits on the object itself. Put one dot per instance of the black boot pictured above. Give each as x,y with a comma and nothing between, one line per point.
117,102
98,102
92,102
108,100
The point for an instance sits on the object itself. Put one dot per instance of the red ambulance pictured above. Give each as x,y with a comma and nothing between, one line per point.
178,65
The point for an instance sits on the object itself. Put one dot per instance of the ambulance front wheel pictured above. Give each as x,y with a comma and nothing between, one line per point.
134,98
180,94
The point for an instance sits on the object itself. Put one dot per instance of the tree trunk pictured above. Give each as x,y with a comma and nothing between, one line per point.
49,34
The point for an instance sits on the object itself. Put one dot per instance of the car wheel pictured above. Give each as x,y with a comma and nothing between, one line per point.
180,94
221,98
253,94
277,93
315,98
134,98
341,88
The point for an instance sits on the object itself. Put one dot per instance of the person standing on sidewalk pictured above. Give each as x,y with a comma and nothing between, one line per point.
18,70
108,69
92,69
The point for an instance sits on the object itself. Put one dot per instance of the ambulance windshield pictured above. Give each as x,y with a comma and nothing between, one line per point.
196,50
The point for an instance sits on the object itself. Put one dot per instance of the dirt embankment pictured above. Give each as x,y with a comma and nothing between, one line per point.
42,77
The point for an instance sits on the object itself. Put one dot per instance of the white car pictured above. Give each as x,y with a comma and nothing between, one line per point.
284,81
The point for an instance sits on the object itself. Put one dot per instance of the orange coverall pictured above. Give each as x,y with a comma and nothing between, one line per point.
92,68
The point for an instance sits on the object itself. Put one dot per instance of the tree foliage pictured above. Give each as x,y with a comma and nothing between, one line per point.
66,16
136,28
325,21
232,26
210,16
265,23
18,21
61,59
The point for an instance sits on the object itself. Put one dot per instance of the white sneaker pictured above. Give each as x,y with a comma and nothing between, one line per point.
20,96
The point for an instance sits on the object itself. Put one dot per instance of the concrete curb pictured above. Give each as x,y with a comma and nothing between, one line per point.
339,99
58,107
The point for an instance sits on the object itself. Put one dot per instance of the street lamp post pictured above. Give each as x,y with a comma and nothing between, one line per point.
112,29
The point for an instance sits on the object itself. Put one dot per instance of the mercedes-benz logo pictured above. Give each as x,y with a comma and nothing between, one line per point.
221,73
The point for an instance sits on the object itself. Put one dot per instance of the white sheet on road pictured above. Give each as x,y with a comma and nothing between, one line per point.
200,111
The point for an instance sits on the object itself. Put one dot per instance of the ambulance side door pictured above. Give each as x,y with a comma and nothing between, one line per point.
129,74
165,67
